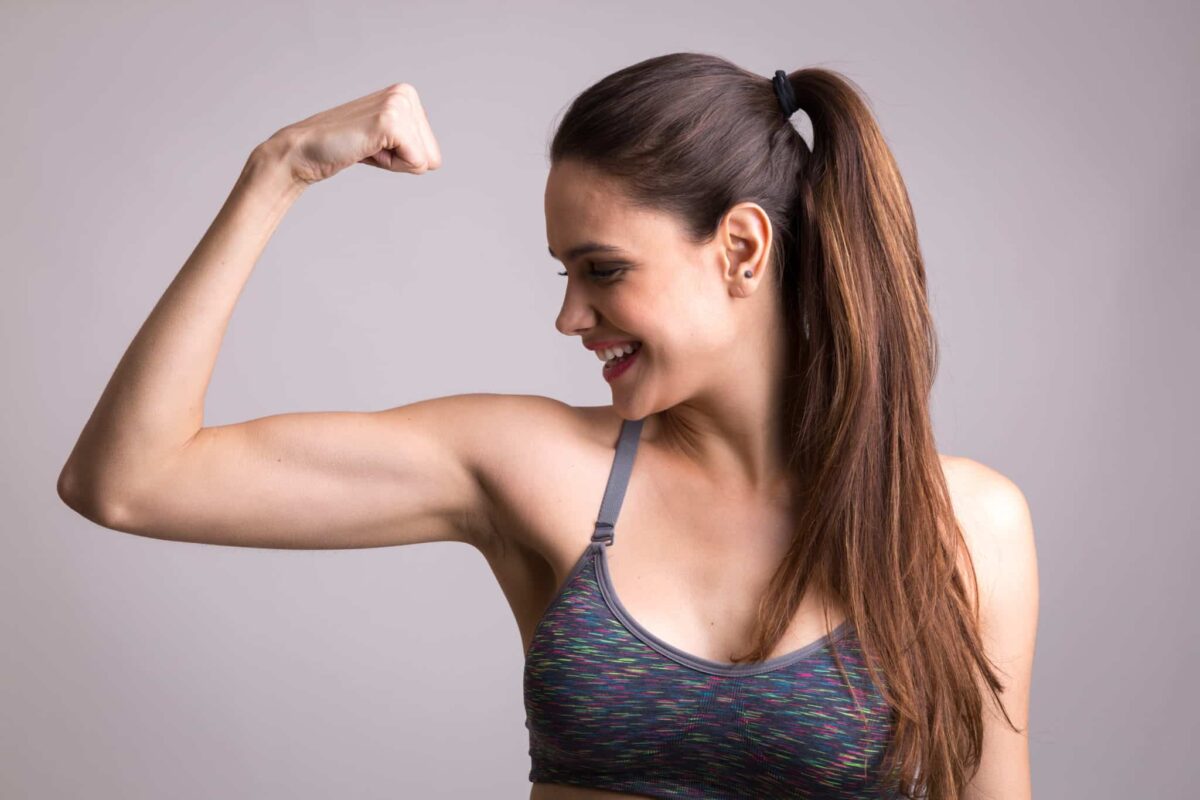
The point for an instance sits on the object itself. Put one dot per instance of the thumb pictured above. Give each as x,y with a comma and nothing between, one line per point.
389,160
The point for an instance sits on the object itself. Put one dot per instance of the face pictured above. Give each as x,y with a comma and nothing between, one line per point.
689,305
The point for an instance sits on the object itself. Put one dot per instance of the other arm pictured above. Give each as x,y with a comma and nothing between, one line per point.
997,525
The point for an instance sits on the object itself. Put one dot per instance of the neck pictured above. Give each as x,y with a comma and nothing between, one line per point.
732,434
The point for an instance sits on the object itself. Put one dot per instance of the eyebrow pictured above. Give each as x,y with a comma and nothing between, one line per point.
587,247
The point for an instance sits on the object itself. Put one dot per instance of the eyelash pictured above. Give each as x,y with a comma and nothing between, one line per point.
602,274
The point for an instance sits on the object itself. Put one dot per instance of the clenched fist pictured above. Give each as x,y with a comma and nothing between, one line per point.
386,129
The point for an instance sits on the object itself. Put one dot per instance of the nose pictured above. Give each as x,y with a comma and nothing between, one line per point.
576,314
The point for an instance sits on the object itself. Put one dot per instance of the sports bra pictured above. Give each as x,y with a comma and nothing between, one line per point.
609,705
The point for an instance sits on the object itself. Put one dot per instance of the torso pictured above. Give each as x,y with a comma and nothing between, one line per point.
689,562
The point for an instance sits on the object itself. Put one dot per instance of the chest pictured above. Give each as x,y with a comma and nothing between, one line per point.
607,704
628,679
688,562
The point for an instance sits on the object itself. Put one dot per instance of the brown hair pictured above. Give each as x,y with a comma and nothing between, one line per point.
693,134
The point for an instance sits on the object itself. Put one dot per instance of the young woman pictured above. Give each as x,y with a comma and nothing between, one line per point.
803,598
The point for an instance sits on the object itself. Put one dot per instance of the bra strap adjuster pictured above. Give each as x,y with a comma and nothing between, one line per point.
603,532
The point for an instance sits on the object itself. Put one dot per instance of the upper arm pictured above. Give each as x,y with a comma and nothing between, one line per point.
330,480
997,525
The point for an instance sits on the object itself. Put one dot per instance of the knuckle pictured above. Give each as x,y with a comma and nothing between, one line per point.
402,90
397,104
391,118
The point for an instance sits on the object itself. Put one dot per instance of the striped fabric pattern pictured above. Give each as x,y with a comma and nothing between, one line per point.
606,710
610,705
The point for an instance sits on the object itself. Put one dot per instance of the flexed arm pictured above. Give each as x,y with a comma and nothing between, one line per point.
145,463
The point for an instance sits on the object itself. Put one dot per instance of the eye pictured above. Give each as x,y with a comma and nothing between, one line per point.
601,274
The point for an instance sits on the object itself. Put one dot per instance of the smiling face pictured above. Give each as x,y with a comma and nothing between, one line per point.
695,313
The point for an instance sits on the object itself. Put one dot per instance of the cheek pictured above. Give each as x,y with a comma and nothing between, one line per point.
682,335
706,331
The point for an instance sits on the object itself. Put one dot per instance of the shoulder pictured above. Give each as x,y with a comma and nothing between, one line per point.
997,527
494,433
493,424
986,499
994,516
521,448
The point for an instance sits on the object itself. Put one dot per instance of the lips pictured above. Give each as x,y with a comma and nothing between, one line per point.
602,343
622,353
619,366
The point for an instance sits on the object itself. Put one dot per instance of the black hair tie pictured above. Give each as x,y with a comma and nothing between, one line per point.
783,90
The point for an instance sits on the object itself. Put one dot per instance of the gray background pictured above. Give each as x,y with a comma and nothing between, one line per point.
1050,153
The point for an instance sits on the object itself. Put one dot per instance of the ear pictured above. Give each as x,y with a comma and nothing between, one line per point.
744,239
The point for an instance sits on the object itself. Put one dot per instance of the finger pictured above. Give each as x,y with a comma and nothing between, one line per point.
389,159
409,150
408,155
380,160
432,151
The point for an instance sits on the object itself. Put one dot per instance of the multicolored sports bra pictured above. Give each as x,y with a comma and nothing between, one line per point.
609,705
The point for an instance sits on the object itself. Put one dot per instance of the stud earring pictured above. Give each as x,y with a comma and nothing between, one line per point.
748,274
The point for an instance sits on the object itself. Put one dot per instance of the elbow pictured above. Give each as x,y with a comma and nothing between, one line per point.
69,489
81,496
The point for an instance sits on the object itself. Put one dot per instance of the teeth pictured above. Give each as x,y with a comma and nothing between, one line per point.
608,354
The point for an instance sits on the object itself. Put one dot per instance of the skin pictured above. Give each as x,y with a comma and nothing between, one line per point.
514,475
689,305
706,382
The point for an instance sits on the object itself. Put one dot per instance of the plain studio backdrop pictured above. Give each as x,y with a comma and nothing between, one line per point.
1049,149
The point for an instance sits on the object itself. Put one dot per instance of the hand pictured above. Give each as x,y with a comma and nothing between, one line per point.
387,129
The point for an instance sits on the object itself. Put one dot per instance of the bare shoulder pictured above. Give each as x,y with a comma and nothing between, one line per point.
520,446
994,516
990,507
520,429
499,430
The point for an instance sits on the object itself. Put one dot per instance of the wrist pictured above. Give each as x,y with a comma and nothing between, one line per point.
268,168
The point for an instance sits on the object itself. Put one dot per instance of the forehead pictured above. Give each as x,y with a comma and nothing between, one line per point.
578,196
583,204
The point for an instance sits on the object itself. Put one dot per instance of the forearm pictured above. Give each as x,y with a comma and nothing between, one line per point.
154,402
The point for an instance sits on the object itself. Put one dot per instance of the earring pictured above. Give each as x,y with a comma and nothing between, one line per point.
748,274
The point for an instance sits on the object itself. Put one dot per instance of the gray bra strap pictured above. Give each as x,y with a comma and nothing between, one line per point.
618,479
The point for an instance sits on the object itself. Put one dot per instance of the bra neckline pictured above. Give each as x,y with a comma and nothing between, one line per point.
691,660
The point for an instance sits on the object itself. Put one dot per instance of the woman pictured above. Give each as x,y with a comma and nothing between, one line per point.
805,599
